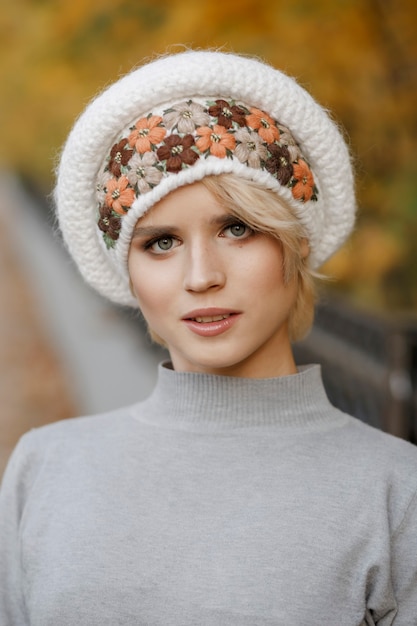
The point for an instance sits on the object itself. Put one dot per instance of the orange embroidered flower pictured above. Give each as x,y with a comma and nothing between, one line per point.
303,188
119,196
265,125
146,133
215,139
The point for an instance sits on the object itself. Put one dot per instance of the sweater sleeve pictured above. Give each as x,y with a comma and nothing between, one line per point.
404,566
13,494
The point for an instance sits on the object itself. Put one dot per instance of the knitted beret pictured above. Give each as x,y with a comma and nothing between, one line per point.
178,119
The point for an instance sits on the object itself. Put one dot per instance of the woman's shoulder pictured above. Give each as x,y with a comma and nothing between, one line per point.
60,437
95,425
378,445
377,457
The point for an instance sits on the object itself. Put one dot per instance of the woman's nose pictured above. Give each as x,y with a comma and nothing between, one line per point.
203,270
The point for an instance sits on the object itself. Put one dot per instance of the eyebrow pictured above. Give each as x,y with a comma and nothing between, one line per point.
152,231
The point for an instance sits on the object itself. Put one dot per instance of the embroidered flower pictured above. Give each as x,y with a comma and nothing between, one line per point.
177,151
250,148
216,140
303,188
143,172
109,223
227,113
186,116
119,196
119,156
279,164
157,146
101,185
146,133
265,125
286,138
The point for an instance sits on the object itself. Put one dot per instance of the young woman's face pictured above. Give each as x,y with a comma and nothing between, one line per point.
212,288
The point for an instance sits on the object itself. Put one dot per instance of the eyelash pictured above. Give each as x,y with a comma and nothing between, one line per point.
227,227
149,244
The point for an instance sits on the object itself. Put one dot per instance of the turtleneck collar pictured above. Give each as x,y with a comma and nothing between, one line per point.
194,401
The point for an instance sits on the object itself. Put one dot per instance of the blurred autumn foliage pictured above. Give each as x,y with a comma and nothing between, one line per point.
357,57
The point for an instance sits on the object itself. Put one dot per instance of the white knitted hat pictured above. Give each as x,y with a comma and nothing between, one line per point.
183,117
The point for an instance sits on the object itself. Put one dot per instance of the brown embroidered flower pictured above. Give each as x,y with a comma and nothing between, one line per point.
119,156
217,140
186,116
226,114
177,151
279,163
146,133
143,172
119,195
109,223
265,125
303,189
250,149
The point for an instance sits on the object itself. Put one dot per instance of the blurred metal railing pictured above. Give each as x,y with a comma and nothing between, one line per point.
369,365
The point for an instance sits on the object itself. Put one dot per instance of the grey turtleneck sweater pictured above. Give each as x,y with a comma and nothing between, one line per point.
216,502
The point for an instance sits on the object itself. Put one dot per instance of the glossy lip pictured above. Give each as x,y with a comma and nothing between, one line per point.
210,329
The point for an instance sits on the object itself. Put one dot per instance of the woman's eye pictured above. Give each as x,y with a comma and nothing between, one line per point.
164,244
238,230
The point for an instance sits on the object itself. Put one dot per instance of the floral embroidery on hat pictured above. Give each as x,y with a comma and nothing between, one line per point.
160,145
101,186
142,171
250,148
119,195
227,113
118,157
216,141
177,150
186,116
109,223
303,185
265,125
280,163
146,133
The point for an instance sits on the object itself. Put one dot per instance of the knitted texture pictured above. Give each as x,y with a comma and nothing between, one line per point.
97,221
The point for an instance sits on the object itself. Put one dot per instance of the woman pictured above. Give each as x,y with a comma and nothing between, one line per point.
207,188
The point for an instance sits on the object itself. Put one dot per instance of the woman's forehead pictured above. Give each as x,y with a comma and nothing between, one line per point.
194,202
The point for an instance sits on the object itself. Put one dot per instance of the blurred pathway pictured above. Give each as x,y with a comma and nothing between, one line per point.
64,351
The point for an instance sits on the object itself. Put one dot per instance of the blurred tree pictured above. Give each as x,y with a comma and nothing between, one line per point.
357,57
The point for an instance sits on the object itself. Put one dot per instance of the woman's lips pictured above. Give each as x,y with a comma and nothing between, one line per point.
210,322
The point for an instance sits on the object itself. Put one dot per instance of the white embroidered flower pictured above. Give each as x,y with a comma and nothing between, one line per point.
143,172
288,140
250,149
186,116
101,189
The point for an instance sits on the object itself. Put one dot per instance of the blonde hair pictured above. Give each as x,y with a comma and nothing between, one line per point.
264,211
